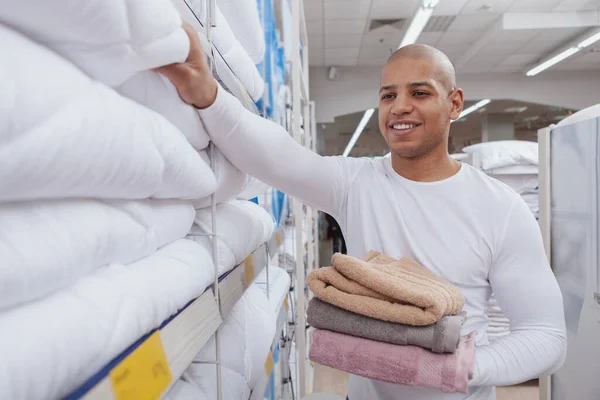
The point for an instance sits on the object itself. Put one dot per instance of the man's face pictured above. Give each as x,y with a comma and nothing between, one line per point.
415,106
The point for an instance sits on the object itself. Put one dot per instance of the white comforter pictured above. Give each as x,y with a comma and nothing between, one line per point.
232,51
242,226
52,346
110,40
242,16
230,180
63,135
116,42
245,338
47,245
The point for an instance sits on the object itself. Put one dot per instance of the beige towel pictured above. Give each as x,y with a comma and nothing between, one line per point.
384,288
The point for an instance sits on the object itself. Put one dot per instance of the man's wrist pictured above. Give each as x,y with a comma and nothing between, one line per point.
208,91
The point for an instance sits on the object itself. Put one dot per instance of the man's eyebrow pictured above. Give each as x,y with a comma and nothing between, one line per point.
419,84
387,87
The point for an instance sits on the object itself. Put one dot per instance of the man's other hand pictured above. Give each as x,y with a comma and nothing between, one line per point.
192,78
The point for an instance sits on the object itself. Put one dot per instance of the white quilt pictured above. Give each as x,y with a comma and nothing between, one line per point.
63,135
47,245
242,226
52,346
230,180
183,390
242,16
245,338
232,51
110,40
156,92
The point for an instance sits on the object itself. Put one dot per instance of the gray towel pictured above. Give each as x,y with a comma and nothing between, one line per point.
441,337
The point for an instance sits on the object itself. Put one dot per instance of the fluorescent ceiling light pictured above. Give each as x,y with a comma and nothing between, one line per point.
591,40
561,56
554,60
474,107
361,125
418,22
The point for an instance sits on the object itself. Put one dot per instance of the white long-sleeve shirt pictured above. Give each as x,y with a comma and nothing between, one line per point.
470,229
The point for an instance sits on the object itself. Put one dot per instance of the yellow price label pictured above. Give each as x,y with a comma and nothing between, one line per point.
286,304
269,364
144,374
277,240
249,272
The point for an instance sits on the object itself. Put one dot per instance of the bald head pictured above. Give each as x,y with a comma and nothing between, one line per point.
445,73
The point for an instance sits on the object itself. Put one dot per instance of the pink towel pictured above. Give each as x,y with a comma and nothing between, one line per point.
406,365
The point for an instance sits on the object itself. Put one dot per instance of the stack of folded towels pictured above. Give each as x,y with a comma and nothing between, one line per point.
390,320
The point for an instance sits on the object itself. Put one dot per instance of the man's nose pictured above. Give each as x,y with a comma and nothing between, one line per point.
402,105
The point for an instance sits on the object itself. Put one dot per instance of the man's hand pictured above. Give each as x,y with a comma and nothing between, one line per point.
192,78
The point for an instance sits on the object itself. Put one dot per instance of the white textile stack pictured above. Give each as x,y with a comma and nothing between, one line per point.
96,189
516,163
245,338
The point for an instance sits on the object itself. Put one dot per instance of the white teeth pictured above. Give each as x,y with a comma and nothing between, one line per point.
403,126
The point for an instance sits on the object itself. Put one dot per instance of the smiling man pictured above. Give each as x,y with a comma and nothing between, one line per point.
419,202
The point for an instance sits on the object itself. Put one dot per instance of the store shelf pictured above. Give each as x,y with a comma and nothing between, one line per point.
149,367
224,74
233,284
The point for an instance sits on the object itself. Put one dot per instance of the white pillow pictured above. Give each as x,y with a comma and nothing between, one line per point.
505,153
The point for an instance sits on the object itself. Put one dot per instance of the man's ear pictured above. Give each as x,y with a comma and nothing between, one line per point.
457,101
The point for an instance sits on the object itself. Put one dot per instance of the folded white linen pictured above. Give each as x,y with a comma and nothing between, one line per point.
110,40
520,183
50,347
230,180
47,245
183,390
232,51
253,188
242,16
245,338
242,226
505,153
67,136
156,92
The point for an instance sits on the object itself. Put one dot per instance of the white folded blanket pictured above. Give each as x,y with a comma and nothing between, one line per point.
66,136
110,40
242,16
47,245
245,338
183,390
156,92
52,346
230,180
242,226
232,51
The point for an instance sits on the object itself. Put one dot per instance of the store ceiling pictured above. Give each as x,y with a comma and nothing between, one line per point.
527,117
470,32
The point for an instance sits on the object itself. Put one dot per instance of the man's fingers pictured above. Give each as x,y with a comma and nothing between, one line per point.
195,45
176,73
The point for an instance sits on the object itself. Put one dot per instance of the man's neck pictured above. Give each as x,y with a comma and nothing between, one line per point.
432,167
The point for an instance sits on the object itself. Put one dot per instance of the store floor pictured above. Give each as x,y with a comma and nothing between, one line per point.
327,380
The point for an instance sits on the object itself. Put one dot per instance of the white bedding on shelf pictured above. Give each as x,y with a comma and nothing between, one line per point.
232,51
156,92
243,18
110,40
47,245
230,180
67,136
505,153
52,346
183,390
245,338
242,226
520,183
